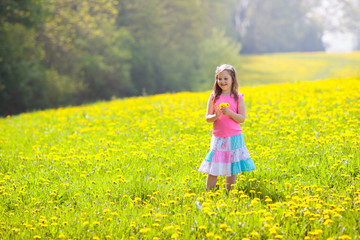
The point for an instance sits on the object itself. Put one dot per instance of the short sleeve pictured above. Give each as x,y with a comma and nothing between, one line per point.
212,96
240,95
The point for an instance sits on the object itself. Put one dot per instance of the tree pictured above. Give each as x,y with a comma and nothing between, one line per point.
20,56
214,51
81,41
28,13
62,52
276,26
166,34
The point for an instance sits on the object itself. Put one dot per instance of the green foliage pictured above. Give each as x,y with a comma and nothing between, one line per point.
105,49
166,35
24,82
25,12
214,51
56,53
82,42
19,68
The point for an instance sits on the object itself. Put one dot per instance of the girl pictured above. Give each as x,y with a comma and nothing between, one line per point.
226,109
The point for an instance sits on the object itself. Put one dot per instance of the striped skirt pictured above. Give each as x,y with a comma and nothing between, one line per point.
227,156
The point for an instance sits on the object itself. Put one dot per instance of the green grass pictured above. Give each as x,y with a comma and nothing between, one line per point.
292,67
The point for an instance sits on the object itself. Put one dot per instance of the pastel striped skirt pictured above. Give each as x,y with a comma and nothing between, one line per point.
227,156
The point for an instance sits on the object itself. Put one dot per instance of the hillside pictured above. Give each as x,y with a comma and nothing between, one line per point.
128,168
292,67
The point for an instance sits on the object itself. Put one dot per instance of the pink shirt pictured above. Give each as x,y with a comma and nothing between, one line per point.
225,126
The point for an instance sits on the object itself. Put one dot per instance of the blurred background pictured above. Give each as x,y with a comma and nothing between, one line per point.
69,52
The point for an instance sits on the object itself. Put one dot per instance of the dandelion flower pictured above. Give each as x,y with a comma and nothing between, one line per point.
210,234
255,234
174,235
223,225
345,237
145,230
202,227
224,105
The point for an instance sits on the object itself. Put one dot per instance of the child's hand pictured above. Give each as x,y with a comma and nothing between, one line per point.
217,111
224,108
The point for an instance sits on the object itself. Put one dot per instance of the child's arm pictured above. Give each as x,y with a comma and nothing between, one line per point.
237,117
212,111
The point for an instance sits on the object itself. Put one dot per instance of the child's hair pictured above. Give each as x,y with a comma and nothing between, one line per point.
234,86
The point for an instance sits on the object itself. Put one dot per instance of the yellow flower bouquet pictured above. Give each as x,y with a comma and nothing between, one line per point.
224,105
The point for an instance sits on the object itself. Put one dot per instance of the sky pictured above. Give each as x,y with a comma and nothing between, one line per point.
338,39
339,42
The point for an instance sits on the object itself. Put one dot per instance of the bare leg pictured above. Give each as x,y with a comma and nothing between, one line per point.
230,180
211,182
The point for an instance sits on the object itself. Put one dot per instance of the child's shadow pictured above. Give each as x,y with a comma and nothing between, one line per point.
262,190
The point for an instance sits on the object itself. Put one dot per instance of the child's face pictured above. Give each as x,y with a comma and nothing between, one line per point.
224,81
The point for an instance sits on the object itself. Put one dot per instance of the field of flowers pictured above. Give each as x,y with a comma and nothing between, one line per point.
127,169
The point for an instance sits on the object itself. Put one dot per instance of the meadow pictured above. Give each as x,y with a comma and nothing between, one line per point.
292,67
127,168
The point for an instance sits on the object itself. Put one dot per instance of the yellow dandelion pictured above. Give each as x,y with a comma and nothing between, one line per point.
224,105
61,235
202,227
328,222
345,237
255,234
223,225
144,230
210,234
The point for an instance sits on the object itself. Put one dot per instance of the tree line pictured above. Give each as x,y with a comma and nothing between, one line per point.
57,53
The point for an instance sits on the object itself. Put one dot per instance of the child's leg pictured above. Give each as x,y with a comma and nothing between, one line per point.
210,182
230,180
